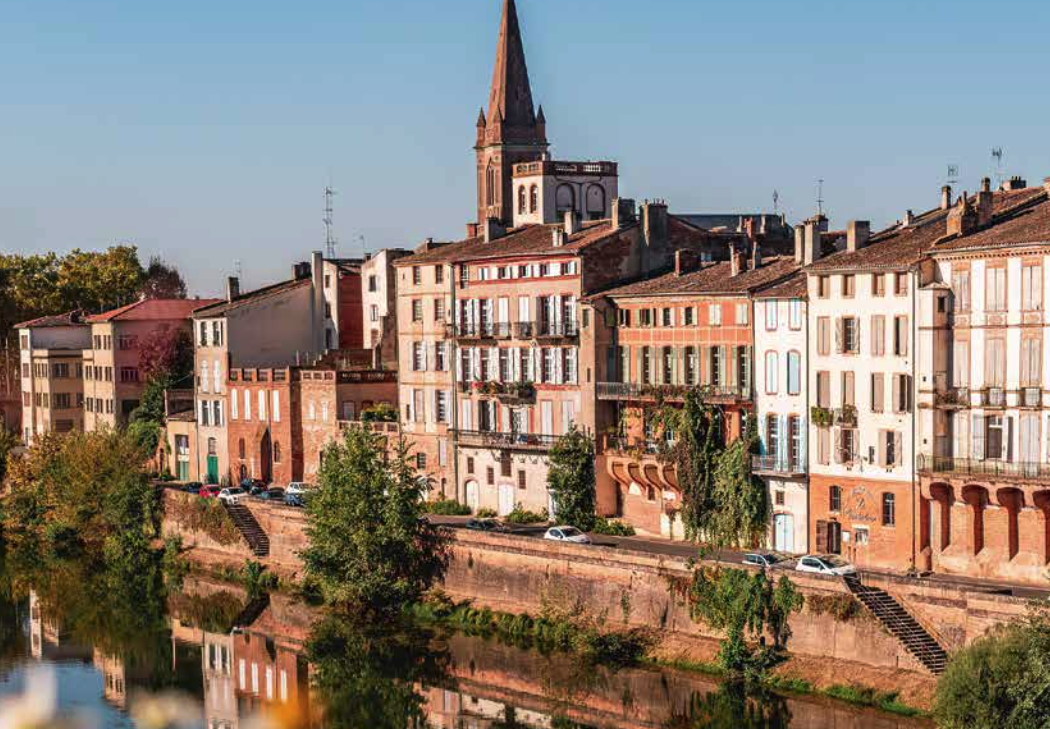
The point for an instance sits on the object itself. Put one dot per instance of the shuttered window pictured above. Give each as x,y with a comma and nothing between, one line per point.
878,392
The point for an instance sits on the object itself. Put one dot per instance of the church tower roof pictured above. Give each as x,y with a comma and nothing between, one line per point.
510,103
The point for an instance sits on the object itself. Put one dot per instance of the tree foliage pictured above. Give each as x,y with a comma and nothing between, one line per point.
741,502
747,607
81,491
701,439
571,480
166,353
162,281
371,548
1002,680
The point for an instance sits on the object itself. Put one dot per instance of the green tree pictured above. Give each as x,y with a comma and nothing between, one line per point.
571,480
371,548
1002,680
162,281
741,512
746,607
701,440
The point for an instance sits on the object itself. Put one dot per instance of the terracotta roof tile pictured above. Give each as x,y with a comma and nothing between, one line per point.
153,310
221,306
791,288
73,318
710,279
1024,222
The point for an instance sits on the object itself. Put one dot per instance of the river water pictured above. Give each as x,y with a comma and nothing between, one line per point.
86,655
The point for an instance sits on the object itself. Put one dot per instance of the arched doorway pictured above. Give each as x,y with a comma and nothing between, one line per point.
473,496
1012,501
944,495
265,458
977,498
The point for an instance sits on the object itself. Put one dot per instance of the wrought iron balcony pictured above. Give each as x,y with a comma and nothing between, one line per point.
513,441
372,427
775,465
846,416
991,469
636,391
478,330
993,397
1032,397
623,445
546,330
952,397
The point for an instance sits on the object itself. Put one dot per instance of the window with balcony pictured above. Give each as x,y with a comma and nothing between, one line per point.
849,390
995,362
647,366
795,434
772,434
668,366
718,366
692,366
1031,364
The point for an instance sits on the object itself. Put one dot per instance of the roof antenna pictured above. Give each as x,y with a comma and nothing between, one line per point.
329,237
953,175
997,155
776,202
820,196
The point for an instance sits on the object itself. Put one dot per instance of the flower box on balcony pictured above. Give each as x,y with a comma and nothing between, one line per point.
821,417
847,415
517,392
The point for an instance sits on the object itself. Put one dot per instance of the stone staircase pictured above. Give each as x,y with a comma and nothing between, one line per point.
901,624
250,529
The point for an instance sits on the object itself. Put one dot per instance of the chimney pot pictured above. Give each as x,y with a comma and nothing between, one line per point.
946,197
572,223
909,218
623,212
756,255
858,233
986,184
558,237
233,288
985,204
811,251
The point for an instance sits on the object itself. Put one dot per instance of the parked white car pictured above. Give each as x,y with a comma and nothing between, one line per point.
567,534
297,488
825,564
232,495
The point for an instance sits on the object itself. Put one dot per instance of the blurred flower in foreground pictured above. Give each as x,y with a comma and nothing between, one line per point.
284,717
36,706
165,711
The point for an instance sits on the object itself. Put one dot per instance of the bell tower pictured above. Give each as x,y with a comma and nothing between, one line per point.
511,132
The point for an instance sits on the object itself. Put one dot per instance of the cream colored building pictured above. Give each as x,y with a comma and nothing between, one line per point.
51,354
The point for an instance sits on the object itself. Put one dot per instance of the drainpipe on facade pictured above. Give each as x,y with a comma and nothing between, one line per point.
453,364
914,419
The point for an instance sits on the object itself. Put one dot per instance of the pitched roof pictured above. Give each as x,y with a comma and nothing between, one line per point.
537,240
221,306
710,279
793,287
1021,219
903,246
152,310
73,318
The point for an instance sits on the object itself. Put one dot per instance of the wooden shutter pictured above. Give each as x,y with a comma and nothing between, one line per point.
882,448
822,537
1008,439
978,437
878,392
896,394
898,448
840,338
849,389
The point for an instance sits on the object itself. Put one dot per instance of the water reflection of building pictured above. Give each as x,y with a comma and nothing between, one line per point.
114,679
220,706
268,673
47,641
447,709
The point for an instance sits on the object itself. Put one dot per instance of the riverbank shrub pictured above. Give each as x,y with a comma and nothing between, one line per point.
207,516
371,548
746,607
842,608
612,528
1002,680
571,480
448,507
523,517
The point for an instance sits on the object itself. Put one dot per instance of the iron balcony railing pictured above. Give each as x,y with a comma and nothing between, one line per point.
951,465
479,330
775,464
952,397
508,330
493,439
993,397
635,391
1032,397
373,427
623,444
546,329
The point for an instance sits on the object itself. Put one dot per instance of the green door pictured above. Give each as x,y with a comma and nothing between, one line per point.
213,469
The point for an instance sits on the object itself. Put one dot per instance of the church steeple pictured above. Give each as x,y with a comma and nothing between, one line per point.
512,132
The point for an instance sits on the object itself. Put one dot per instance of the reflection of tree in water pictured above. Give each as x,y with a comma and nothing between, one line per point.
569,680
366,676
732,707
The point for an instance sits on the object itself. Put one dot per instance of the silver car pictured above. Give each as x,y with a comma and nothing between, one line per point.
567,534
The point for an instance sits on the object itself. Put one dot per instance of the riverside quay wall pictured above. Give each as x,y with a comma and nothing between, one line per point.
525,575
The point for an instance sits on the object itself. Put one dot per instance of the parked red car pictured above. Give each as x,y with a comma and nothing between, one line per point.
210,492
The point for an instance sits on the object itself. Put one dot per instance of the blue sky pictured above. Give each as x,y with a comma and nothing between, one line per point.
206,130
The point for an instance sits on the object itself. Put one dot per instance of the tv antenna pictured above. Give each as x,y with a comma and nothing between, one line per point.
997,155
329,222
953,174
820,196
776,202
237,269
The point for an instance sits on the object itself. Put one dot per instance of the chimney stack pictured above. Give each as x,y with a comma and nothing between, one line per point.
756,255
962,220
654,221
623,212
985,203
858,232
909,218
685,261
1046,185
494,230
946,197
736,260
811,249
233,288
1015,183
800,243
558,237
572,223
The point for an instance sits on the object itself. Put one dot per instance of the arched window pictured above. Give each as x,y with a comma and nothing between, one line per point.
241,449
534,199
276,452
595,202
522,209
490,185
565,199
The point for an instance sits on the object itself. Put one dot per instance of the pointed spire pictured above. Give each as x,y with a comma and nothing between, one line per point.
541,118
481,119
511,97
